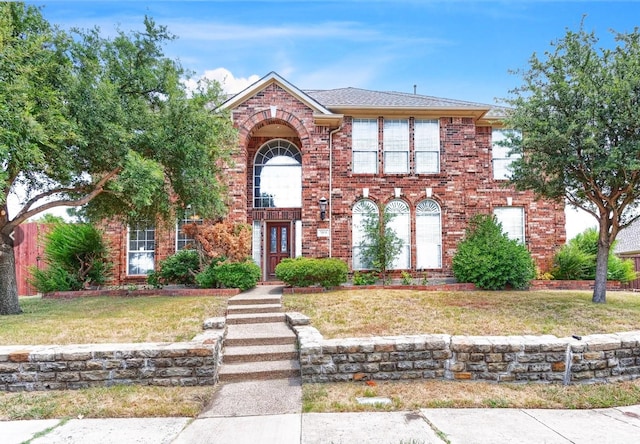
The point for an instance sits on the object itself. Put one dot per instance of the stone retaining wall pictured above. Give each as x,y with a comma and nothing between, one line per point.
596,358
90,365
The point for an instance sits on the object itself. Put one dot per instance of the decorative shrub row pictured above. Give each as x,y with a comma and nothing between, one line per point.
305,272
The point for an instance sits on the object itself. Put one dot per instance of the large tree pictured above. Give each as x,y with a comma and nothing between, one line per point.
106,124
579,112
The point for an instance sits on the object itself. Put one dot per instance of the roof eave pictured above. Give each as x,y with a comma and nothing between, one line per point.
264,82
475,113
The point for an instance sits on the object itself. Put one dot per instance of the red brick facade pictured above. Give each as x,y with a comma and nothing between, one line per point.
274,109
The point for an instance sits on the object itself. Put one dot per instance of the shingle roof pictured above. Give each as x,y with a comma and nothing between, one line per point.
356,97
628,240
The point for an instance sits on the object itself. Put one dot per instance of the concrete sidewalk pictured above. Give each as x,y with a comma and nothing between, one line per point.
455,426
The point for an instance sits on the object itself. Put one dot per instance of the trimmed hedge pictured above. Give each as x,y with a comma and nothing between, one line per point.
242,275
305,272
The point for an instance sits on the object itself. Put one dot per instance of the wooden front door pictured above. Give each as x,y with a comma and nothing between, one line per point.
278,245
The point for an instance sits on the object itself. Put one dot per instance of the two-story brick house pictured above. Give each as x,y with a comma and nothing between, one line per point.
310,165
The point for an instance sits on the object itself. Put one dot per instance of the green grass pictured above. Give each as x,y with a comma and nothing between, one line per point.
360,313
341,397
108,319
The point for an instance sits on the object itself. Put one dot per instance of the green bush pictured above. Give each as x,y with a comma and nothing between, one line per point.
76,257
181,268
360,278
489,259
305,272
577,260
242,275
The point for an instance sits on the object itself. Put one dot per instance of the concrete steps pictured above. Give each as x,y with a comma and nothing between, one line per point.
257,318
259,345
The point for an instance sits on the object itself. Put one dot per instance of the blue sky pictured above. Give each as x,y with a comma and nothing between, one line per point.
455,49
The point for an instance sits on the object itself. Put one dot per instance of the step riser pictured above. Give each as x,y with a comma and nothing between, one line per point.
260,320
259,376
234,359
275,301
246,342
253,310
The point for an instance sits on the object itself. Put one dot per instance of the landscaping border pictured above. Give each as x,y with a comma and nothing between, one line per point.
121,292
70,367
543,359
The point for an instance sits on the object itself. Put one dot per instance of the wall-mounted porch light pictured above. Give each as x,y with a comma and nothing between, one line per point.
323,208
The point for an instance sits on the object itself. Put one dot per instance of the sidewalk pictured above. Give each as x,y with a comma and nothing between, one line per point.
427,426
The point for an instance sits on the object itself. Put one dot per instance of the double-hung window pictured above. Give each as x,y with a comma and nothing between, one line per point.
141,249
500,154
396,146
426,136
512,221
364,140
182,239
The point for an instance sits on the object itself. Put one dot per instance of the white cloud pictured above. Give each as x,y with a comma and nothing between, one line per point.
230,84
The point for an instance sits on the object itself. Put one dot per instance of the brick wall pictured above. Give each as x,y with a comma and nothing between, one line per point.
463,188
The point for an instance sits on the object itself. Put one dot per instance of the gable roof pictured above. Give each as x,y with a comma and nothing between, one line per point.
330,104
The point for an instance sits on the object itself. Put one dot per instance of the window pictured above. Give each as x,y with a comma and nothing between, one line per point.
512,220
364,141
141,250
428,235
500,154
396,146
426,134
277,175
401,224
361,210
182,239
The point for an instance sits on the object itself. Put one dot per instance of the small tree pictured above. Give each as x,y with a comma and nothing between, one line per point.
380,245
579,113
489,259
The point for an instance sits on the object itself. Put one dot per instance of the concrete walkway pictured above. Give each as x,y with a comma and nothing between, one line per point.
269,412
426,426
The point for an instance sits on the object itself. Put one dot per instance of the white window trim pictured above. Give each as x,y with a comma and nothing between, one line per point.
129,251
503,173
426,149
398,144
369,149
424,208
522,217
401,209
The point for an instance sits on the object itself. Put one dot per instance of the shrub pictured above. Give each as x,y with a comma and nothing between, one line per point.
360,278
242,275
577,260
181,268
76,257
226,239
489,259
305,272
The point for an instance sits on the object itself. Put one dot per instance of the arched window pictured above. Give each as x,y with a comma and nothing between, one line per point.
361,211
401,225
277,175
428,235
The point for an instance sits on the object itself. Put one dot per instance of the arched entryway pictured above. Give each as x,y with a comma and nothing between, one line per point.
277,202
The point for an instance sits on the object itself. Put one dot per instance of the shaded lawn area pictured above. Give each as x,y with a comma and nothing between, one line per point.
381,312
109,319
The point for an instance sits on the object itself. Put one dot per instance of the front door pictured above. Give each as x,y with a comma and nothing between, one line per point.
278,245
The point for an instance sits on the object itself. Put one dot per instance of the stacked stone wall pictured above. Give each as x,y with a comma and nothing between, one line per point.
27,368
543,359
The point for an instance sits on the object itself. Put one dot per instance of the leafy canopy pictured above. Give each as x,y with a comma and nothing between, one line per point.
579,112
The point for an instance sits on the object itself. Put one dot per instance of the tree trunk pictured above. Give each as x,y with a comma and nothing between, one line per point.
602,265
9,303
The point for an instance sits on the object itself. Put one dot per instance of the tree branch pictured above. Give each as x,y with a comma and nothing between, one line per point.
25,213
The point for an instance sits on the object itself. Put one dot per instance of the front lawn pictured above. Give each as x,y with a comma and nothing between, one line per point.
362,313
109,319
